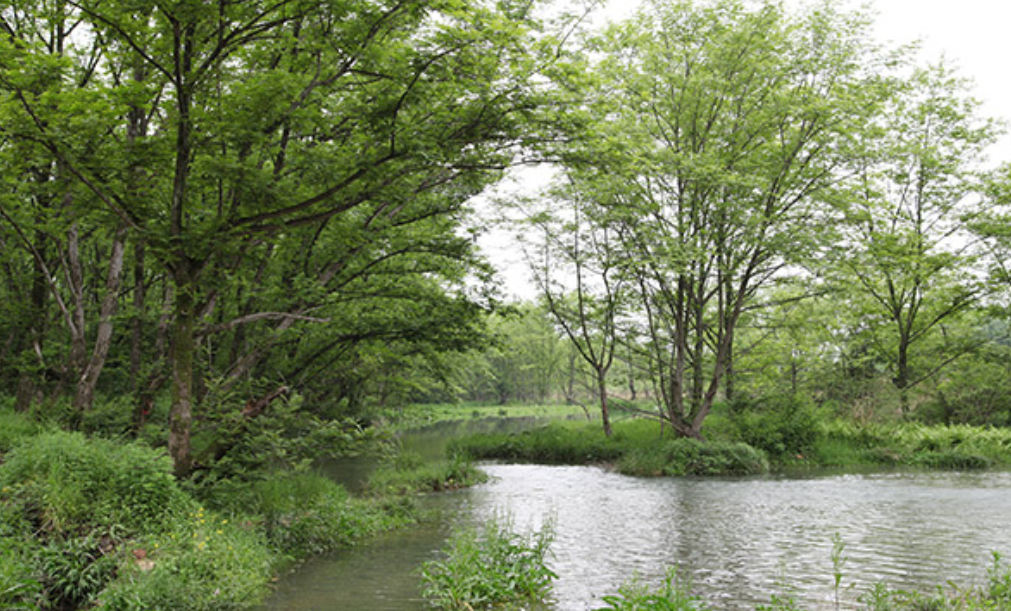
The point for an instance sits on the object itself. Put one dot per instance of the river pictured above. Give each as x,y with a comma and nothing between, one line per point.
740,540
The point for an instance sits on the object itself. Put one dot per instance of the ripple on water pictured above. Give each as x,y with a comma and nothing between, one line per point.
740,540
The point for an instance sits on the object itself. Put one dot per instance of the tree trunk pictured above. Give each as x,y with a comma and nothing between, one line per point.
85,395
605,415
137,331
181,356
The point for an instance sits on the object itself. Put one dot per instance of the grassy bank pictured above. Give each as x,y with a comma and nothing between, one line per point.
421,415
750,444
100,524
635,448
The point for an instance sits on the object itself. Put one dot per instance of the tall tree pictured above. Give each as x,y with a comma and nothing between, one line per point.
908,265
274,126
721,125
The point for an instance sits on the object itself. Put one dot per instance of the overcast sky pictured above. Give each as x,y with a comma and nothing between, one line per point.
972,35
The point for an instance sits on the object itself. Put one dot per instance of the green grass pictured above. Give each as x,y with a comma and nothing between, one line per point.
87,522
674,594
493,567
636,448
419,415
407,473
846,444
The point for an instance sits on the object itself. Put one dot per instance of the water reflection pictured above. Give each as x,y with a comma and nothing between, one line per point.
739,539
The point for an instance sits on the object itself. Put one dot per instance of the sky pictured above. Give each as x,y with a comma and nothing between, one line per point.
972,35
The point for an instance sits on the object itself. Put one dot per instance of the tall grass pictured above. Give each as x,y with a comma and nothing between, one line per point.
489,568
637,447
408,473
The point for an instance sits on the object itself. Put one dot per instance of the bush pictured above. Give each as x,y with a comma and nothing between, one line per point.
781,425
305,513
76,569
489,568
72,483
557,443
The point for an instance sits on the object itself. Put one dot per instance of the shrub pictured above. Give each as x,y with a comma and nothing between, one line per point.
780,424
76,569
489,568
557,443
14,428
72,483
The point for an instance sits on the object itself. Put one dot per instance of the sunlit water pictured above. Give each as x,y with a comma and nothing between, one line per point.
740,540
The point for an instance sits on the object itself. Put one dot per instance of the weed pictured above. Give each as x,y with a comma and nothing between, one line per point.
490,567
674,594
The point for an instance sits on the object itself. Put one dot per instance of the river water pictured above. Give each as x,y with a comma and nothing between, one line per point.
740,540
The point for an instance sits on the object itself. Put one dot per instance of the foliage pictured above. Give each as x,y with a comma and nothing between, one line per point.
636,447
781,425
687,456
14,427
949,447
407,473
20,588
560,443
304,514
76,569
672,595
71,483
489,568
199,562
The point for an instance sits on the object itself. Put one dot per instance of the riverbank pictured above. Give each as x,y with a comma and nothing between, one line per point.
641,447
101,524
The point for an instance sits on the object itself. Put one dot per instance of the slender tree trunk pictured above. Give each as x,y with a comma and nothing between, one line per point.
137,325
85,395
605,415
901,380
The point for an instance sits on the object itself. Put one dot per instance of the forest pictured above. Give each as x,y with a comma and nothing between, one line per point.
237,235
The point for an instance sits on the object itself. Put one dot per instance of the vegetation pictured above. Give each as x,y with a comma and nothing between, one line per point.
674,595
236,237
95,523
489,568
635,448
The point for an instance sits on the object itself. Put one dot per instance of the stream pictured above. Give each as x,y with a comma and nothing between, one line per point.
739,540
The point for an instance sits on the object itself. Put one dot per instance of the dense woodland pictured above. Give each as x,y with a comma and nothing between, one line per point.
215,213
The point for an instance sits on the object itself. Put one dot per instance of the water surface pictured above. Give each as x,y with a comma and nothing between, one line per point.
740,540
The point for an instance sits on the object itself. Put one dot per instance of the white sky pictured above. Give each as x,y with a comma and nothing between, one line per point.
972,35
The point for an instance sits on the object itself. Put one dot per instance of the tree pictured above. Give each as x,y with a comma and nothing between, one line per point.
232,137
577,269
721,128
907,266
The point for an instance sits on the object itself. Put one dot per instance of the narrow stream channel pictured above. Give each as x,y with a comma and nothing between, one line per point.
740,540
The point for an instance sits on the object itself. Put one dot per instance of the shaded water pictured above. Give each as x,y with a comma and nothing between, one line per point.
739,539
